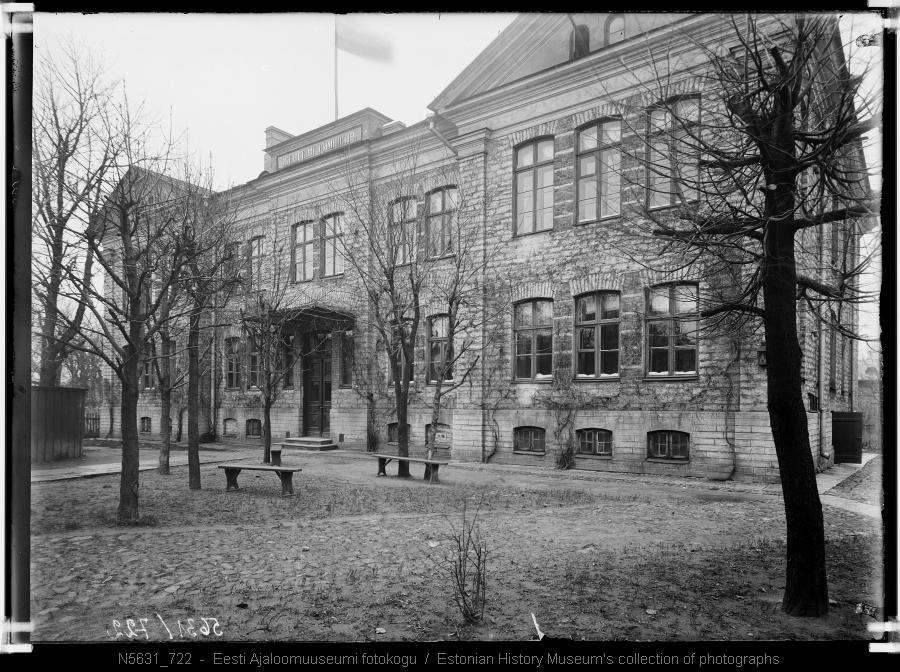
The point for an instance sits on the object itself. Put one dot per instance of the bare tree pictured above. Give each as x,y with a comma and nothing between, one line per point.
741,158
146,237
411,251
75,148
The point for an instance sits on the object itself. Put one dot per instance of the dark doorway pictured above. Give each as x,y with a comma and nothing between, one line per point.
846,437
317,385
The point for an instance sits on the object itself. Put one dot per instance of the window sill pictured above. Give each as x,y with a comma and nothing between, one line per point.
671,379
668,460
449,255
587,456
605,379
232,389
533,233
671,206
253,437
336,275
300,282
529,452
588,222
532,381
345,387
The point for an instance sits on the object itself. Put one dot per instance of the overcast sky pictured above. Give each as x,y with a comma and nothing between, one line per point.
226,77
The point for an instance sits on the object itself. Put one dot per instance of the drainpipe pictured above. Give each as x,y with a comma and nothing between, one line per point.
439,135
822,452
212,379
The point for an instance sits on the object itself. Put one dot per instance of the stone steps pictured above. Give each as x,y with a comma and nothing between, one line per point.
308,443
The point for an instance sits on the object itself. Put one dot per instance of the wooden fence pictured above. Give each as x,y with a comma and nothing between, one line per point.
57,423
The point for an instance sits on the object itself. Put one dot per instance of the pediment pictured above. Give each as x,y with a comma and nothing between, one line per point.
534,43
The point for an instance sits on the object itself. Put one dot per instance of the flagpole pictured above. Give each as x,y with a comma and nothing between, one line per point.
335,71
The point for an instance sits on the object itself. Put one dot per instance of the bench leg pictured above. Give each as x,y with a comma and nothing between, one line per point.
286,477
382,463
276,458
427,472
287,487
434,473
231,479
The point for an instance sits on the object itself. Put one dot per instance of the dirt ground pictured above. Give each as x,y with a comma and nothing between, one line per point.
352,557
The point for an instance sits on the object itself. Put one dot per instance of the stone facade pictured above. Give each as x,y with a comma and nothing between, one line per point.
511,95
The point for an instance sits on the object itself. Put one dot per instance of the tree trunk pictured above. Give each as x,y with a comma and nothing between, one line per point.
165,394
112,408
806,589
266,433
402,426
128,486
180,423
194,401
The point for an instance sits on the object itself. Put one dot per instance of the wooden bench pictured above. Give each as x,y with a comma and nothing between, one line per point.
431,466
286,474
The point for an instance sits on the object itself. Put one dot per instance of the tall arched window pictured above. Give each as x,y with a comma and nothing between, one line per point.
673,173
615,29
402,227
599,168
533,324
597,335
672,322
442,205
439,351
534,186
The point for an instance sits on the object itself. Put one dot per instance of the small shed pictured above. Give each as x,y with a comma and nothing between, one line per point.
57,422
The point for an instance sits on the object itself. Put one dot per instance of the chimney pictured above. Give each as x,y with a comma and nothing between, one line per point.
579,42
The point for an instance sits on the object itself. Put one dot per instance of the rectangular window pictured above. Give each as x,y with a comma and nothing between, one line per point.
529,439
668,445
533,324
439,351
232,364
404,213
597,335
332,245
346,361
304,235
672,152
594,442
145,425
232,261
287,357
253,363
534,187
401,359
256,254
147,375
442,206
254,428
599,165
671,330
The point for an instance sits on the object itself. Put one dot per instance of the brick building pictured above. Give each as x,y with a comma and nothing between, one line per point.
582,349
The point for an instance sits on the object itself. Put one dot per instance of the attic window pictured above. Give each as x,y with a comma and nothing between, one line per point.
579,42
615,29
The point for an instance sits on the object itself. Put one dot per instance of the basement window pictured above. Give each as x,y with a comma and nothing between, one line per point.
667,445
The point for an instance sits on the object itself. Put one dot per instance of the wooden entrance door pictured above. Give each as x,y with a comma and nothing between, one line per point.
317,387
846,436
